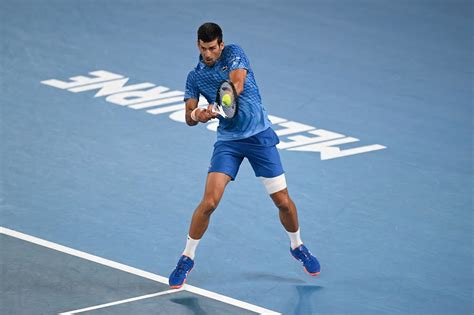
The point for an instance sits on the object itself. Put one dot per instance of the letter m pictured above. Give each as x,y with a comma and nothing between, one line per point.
329,149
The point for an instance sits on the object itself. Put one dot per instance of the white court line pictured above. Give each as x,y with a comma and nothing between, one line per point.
138,298
135,271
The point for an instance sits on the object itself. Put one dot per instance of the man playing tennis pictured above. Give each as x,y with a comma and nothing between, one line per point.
247,135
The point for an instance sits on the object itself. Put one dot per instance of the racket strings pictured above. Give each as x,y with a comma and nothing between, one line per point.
226,90
230,109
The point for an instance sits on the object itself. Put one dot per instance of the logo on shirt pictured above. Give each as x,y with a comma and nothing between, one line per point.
235,61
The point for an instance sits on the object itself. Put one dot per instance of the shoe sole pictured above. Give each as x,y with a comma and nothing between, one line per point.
313,274
184,282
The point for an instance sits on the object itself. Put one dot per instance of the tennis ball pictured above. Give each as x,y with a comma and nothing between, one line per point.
226,100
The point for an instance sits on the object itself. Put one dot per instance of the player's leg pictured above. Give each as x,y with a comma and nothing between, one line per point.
215,185
225,164
289,220
266,163
277,189
287,211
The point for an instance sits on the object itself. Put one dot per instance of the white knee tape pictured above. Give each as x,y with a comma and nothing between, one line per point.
274,184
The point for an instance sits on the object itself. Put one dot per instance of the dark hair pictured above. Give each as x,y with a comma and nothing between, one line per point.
209,32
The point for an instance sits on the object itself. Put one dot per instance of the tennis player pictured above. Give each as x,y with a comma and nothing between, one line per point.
247,135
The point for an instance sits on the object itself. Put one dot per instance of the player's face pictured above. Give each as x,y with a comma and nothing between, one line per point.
210,51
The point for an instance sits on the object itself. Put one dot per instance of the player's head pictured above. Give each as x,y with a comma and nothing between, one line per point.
210,42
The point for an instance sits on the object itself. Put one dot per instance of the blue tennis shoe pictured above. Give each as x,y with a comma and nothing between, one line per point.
310,263
183,268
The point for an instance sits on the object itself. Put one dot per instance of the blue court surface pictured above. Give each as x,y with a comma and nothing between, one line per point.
372,101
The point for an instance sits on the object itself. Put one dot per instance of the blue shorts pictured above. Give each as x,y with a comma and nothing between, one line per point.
259,149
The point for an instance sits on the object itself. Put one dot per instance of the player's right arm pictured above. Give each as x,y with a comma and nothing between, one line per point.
191,105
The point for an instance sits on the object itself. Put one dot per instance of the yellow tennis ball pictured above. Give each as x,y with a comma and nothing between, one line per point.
226,100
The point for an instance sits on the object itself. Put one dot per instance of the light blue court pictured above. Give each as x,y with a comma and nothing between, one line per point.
372,101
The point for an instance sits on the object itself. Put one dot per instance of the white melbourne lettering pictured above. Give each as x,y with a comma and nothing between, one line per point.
295,136
299,140
141,96
98,76
111,87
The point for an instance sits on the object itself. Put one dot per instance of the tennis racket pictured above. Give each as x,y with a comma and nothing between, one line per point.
227,101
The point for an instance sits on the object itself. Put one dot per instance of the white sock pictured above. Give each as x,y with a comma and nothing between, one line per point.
295,239
191,245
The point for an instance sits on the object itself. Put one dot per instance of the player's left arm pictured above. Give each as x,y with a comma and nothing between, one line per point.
237,77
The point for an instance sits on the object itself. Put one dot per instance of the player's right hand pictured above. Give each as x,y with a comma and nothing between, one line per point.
206,114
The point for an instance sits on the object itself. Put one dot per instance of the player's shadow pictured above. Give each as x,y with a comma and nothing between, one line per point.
305,292
306,298
191,303
259,276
